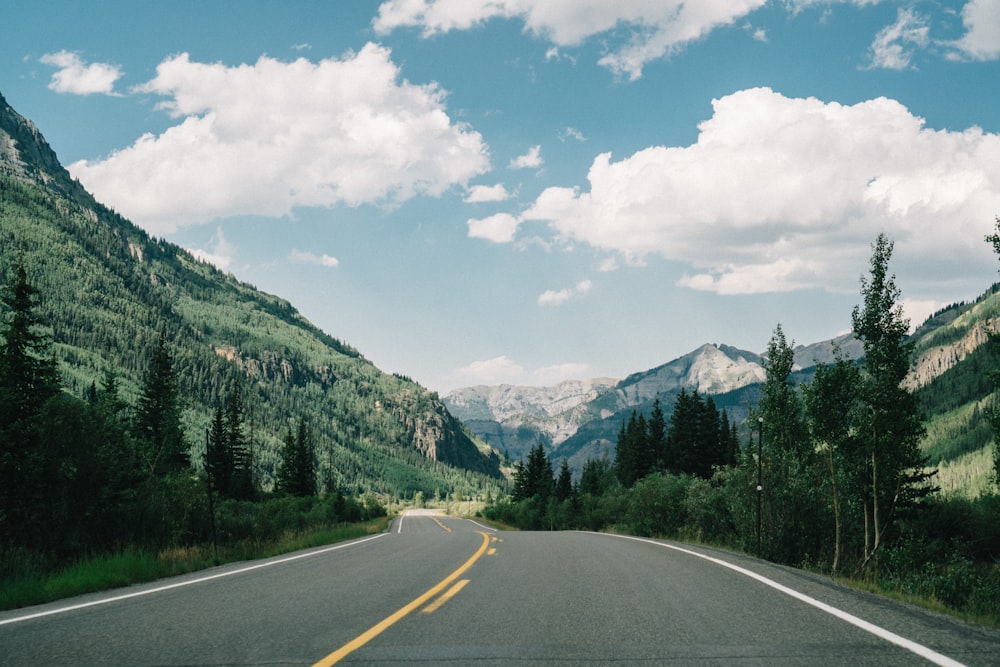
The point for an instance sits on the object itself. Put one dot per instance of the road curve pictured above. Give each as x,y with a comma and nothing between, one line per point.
439,590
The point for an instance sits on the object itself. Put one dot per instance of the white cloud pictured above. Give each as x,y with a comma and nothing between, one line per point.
79,78
893,46
498,370
982,23
530,160
306,257
221,256
760,35
559,297
499,228
572,133
479,194
654,28
262,139
503,370
780,194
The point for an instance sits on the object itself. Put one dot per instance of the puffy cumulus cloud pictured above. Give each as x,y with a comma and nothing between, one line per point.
78,77
306,257
982,23
498,370
479,194
559,297
264,138
499,228
894,45
780,194
652,28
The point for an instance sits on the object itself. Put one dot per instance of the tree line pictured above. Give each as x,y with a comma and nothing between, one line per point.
830,475
95,474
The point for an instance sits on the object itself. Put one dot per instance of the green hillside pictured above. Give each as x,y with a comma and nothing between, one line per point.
108,291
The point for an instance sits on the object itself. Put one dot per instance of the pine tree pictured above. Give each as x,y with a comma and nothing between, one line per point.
218,459
241,484
534,478
564,482
297,475
595,477
684,444
28,381
791,476
657,437
158,417
28,376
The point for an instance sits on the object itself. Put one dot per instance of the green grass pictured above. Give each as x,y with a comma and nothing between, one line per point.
27,581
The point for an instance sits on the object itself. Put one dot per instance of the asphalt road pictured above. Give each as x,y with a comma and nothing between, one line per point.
439,590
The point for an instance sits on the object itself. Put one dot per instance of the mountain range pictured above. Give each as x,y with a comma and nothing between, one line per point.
949,372
108,291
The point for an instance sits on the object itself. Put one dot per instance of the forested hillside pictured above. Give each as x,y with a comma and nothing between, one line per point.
108,292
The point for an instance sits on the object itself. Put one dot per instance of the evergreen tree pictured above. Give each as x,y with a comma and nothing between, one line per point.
28,376
657,437
564,482
682,436
534,479
241,483
28,381
158,417
791,477
634,458
889,426
710,453
218,458
595,477
297,475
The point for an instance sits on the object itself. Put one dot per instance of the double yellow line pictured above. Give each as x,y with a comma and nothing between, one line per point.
389,621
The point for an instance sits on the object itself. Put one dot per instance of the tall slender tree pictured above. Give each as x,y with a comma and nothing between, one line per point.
28,381
28,376
789,472
889,426
158,416
297,475
831,401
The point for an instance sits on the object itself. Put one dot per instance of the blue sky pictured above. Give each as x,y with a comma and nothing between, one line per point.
528,191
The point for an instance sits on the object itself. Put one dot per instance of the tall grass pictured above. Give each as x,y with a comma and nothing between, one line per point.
26,579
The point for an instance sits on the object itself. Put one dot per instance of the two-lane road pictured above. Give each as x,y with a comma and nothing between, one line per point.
440,590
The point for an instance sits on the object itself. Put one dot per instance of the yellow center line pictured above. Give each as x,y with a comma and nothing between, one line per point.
438,522
389,621
449,594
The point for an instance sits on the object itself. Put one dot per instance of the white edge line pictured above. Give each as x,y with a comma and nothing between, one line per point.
189,582
910,645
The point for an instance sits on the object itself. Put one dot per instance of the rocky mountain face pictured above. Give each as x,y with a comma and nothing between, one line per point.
950,337
513,419
109,291
579,420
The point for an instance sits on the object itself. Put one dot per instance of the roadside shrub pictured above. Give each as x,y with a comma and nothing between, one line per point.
656,505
